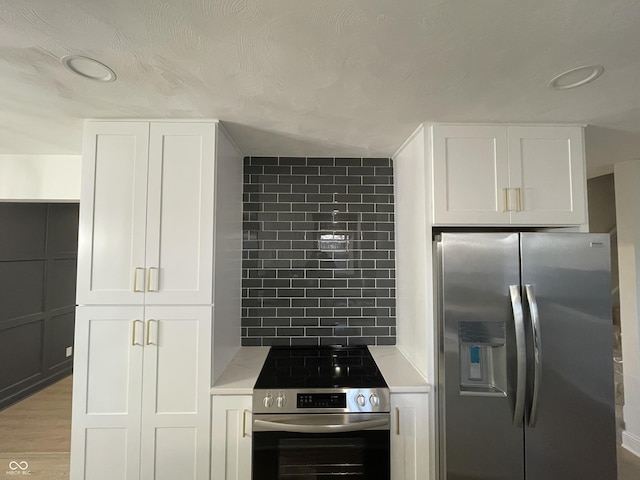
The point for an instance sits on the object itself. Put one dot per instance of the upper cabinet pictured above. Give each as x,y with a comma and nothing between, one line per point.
508,175
147,213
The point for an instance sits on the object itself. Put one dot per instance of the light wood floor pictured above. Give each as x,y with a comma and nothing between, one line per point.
37,430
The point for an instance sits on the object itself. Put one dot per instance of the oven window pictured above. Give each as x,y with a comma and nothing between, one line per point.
310,458
301,456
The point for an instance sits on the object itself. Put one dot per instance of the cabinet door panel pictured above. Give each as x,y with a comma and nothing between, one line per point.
107,393
409,436
106,455
470,172
112,212
547,164
175,454
176,397
231,437
180,214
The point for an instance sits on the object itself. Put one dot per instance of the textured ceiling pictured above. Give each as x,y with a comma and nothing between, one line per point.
324,77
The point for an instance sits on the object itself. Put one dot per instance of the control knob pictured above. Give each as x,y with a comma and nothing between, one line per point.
268,400
361,400
281,400
374,400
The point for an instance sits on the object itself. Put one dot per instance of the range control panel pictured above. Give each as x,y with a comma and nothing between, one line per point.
322,400
327,400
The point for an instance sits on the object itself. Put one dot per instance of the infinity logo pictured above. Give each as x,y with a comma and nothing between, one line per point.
13,465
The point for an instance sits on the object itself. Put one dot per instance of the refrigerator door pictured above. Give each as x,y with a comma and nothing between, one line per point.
479,438
570,430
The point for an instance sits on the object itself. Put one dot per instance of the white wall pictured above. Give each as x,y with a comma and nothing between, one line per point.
40,178
627,179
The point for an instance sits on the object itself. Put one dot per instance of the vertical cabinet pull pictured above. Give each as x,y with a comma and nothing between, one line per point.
153,277
135,279
505,198
134,333
518,199
244,422
397,421
149,341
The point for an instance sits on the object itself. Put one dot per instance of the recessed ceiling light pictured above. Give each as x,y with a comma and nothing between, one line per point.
88,68
576,77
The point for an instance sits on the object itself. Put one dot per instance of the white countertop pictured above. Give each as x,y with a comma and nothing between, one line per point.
398,372
241,374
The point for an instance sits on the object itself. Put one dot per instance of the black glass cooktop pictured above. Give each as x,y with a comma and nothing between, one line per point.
319,367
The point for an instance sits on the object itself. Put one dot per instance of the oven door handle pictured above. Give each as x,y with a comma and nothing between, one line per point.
314,428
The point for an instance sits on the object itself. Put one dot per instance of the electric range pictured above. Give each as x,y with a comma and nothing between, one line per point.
320,380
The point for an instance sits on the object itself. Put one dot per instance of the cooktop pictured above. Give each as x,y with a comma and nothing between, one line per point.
319,367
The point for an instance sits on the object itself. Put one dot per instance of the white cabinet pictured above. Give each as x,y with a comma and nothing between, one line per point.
508,175
410,436
147,213
231,437
141,393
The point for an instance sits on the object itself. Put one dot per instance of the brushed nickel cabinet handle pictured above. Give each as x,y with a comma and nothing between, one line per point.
518,199
397,421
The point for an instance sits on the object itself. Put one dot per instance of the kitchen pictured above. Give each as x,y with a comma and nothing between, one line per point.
410,334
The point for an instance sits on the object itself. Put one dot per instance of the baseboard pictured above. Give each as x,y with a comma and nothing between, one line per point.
631,442
34,387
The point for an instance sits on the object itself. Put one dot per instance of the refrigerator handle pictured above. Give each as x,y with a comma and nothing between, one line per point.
521,354
537,353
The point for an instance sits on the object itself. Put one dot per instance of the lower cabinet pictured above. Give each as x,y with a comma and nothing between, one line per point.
410,436
231,437
141,393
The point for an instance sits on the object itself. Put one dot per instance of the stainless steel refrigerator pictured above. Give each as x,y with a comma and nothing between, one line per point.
525,373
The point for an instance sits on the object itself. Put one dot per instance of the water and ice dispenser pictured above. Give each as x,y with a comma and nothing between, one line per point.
483,358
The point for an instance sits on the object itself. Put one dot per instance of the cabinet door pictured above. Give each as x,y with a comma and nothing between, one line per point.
107,388
176,393
179,254
409,436
547,165
112,213
470,175
231,437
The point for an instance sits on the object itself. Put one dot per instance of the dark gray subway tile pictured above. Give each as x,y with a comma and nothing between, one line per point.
305,188
276,341
305,170
263,160
276,322
291,332
376,162
304,342
375,331
348,162
305,322
277,188
251,342
320,161
286,179
292,160
277,170
290,202
318,331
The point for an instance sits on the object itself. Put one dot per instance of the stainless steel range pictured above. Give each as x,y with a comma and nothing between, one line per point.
319,412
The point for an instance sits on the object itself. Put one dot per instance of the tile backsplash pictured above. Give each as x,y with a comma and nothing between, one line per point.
318,251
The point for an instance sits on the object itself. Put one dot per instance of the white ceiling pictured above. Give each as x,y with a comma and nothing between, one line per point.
323,77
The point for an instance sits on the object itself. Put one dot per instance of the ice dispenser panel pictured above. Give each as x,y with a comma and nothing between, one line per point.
483,358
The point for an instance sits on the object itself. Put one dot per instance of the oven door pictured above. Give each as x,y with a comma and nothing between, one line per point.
321,446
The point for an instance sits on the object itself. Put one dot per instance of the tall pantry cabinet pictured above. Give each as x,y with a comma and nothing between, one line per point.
149,242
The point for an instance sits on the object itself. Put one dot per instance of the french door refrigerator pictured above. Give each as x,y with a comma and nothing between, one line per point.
525,373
